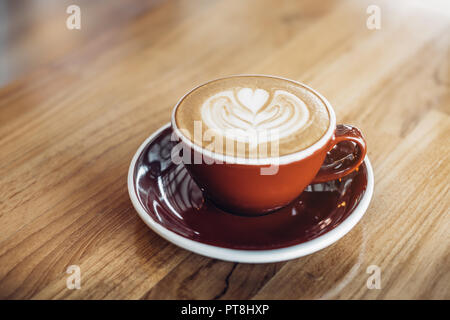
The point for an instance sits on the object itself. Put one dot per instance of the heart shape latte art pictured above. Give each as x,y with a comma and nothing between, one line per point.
246,113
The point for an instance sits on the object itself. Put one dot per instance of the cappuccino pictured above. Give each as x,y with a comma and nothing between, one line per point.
252,116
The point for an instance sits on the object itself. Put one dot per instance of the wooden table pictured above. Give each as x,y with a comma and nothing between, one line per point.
76,104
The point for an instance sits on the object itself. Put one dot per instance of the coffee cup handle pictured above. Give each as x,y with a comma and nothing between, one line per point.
342,167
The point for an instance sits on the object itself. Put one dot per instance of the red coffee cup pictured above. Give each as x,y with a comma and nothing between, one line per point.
240,186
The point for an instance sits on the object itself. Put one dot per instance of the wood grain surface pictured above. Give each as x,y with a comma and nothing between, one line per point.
76,104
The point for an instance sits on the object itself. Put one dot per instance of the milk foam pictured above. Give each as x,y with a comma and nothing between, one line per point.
261,114
238,114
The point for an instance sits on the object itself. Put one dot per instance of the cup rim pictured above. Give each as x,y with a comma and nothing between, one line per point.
284,159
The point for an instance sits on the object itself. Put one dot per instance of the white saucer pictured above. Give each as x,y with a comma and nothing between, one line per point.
247,256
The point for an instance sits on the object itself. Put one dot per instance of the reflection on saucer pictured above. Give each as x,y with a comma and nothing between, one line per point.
171,197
